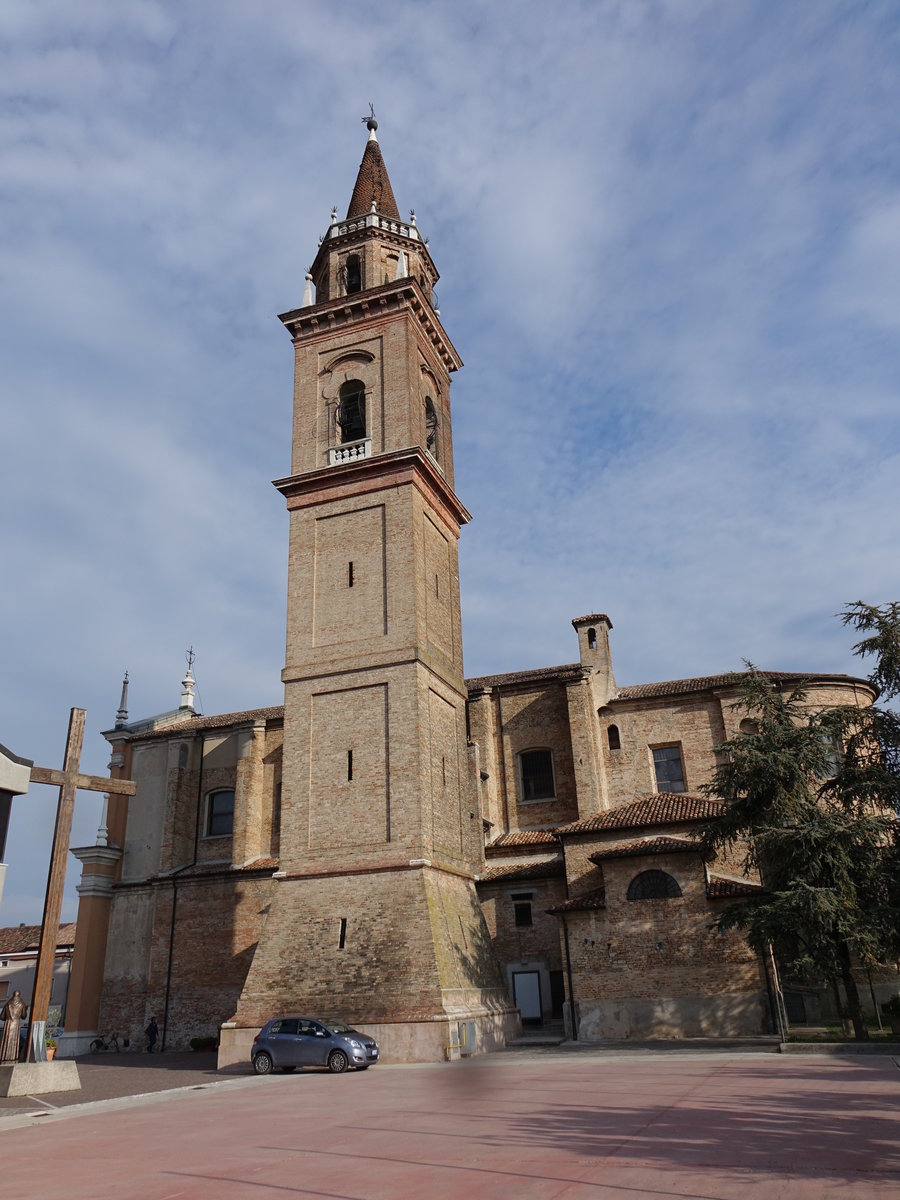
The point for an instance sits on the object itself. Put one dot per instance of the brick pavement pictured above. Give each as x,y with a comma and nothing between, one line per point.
110,1076
613,1126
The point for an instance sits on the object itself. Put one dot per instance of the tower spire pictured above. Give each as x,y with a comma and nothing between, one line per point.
122,714
372,182
187,684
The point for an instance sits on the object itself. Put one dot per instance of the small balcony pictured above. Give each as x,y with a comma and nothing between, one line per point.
350,452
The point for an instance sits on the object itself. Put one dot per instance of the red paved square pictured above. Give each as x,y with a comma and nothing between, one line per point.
570,1126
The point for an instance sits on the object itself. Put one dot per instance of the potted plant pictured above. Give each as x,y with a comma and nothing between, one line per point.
891,1010
51,1048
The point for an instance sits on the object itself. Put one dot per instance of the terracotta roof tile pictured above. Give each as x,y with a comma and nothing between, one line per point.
509,873
662,808
260,864
372,182
516,838
652,845
274,712
720,888
583,903
538,675
650,691
17,939
702,683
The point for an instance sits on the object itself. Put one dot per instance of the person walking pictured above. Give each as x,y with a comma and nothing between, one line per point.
152,1032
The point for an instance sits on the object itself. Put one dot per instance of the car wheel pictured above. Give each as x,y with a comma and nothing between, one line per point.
262,1064
337,1062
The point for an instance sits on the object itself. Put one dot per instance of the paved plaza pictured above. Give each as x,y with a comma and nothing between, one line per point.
711,1126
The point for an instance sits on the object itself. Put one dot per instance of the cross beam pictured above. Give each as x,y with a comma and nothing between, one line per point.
68,780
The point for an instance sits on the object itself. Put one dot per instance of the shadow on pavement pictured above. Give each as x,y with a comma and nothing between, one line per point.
109,1076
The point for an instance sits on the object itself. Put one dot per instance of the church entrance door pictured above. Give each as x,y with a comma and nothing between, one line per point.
527,996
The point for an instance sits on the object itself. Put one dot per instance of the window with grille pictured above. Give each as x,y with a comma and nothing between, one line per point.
220,813
536,774
653,885
669,769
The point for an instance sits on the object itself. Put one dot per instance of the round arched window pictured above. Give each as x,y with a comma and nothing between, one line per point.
653,885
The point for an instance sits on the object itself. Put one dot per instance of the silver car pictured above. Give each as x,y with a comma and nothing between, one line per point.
291,1042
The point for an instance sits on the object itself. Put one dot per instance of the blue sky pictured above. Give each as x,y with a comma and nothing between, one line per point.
669,238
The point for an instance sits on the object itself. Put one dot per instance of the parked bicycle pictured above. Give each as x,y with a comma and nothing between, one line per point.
110,1042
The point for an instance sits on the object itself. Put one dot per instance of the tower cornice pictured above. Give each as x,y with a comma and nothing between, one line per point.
411,465
372,305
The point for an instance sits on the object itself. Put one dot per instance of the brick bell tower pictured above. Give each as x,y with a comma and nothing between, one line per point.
375,919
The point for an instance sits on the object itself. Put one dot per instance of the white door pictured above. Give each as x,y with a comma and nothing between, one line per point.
527,994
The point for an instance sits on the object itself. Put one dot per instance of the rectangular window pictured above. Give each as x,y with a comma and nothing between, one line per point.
220,813
524,918
669,769
536,771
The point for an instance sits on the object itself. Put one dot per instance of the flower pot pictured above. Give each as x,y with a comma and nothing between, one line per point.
51,1050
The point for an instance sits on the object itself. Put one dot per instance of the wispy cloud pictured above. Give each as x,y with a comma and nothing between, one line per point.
669,241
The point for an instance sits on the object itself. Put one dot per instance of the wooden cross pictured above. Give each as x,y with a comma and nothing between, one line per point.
69,779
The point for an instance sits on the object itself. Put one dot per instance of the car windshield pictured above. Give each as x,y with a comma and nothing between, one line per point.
338,1027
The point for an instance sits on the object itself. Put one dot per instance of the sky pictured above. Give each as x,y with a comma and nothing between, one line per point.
669,239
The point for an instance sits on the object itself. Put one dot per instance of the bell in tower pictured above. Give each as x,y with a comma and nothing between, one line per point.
375,918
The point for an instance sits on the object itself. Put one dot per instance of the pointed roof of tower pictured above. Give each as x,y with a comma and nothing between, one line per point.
372,183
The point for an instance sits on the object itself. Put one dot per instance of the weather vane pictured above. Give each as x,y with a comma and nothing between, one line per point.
369,121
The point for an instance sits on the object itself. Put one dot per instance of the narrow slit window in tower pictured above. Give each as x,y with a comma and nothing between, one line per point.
349,766
343,938
350,574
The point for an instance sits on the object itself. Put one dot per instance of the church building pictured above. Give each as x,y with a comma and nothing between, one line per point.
432,859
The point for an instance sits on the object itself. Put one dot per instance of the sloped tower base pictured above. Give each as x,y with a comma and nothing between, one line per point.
402,954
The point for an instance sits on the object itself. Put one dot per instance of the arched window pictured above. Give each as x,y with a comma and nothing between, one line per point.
354,274
219,813
431,427
536,775
653,885
351,413
592,639
612,733
749,726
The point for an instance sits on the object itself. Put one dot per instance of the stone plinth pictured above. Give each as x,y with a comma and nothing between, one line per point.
38,1078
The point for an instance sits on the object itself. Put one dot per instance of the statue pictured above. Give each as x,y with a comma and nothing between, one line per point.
13,1012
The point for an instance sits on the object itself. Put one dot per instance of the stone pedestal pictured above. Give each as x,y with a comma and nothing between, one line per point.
38,1078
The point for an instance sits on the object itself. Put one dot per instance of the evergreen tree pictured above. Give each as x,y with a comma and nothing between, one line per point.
812,799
